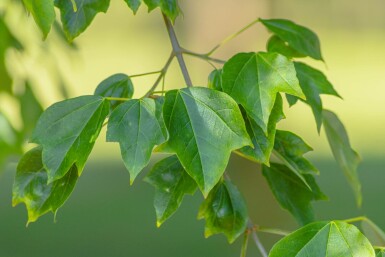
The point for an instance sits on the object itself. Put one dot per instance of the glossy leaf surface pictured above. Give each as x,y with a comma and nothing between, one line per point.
215,80
136,126
224,211
300,38
31,188
276,44
67,132
205,125
171,184
254,79
168,7
76,21
43,12
134,4
347,158
320,239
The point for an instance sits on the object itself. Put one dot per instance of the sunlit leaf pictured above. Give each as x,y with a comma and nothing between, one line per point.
224,211
215,80
276,44
134,4
168,7
43,11
171,184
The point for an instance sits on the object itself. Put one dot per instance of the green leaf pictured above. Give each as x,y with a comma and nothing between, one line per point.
254,79
136,126
215,80
291,193
224,211
380,252
263,145
320,239
43,11
171,183
276,44
133,4
313,83
300,38
67,132
168,7
31,188
205,125
347,158
76,21
118,85
374,233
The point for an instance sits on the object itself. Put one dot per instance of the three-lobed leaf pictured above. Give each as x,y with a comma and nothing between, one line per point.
320,239
43,12
224,211
171,184
204,125
31,188
137,126
67,131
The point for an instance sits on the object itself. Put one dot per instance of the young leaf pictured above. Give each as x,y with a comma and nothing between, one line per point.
136,126
291,193
276,44
134,4
76,21
118,85
31,188
205,125
347,158
171,183
215,80
301,39
224,211
43,11
168,7
320,239
254,79
30,110
313,83
67,132
263,145
375,234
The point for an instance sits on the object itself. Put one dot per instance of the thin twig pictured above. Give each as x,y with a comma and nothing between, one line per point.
245,243
356,219
161,75
274,231
145,74
203,56
256,240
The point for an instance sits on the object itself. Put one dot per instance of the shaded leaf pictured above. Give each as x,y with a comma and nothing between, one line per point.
133,4
76,21
30,186
171,183
67,131
276,44
168,7
254,79
374,233
320,239
215,80
43,12
380,252
135,125
205,125
300,38
224,211
347,158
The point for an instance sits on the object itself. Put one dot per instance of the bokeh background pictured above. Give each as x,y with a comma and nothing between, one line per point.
107,217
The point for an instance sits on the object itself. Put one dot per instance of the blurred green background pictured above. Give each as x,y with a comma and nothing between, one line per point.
107,217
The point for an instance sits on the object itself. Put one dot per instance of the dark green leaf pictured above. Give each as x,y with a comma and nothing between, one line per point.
374,233
254,79
380,252
168,7
76,21
320,239
301,39
224,211
291,193
205,125
31,188
43,11
171,183
135,124
30,110
118,85
215,80
276,44
67,132
347,158
263,145
134,4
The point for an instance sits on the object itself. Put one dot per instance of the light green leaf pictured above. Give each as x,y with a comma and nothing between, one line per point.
263,145
67,132
380,252
134,4
254,79
291,193
347,158
30,110
76,21
320,239
171,183
43,11
30,186
374,233
276,44
215,80
224,211
205,125
118,85
300,38
135,124
168,7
